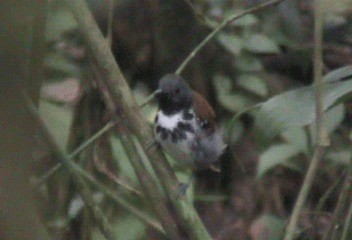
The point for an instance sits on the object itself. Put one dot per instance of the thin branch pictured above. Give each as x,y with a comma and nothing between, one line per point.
197,12
322,137
328,193
347,228
148,99
340,208
221,26
78,150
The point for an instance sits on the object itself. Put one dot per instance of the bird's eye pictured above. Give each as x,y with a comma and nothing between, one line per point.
177,91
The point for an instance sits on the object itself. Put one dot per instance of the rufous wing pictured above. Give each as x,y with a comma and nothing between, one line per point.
204,112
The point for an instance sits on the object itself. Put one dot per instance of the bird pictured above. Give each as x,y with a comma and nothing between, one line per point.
185,125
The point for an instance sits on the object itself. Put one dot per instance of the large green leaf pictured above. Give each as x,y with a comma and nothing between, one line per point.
297,137
297,107
58,119
57,65
126,169
332,120
276,155
60,20
339,74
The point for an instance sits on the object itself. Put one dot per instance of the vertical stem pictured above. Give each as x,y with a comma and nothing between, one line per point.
322,138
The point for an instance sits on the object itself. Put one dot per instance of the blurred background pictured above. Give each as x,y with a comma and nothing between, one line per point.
255,58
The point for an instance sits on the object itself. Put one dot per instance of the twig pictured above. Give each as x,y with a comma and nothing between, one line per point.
78,150
328,193
149,98
196,11
347,228
222,25
322,137
340,209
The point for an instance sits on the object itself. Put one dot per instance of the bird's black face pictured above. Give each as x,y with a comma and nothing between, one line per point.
174,94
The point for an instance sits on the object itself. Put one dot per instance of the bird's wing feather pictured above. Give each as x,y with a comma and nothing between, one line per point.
204,111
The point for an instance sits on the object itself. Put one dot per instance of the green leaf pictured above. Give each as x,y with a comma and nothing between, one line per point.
332,120
258,43
60,20
230,42
297,107
57,65
125,166
245,21
275,155
129,228
222,84
253,84
339,74
126,227
268,227
297,137
58,119
233,102
248,63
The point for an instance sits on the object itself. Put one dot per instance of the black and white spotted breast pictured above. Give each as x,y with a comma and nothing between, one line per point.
176,134
174,127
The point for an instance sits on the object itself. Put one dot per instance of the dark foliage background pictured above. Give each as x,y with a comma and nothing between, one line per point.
263,58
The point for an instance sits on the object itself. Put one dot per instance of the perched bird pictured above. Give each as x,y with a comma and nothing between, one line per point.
185,125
